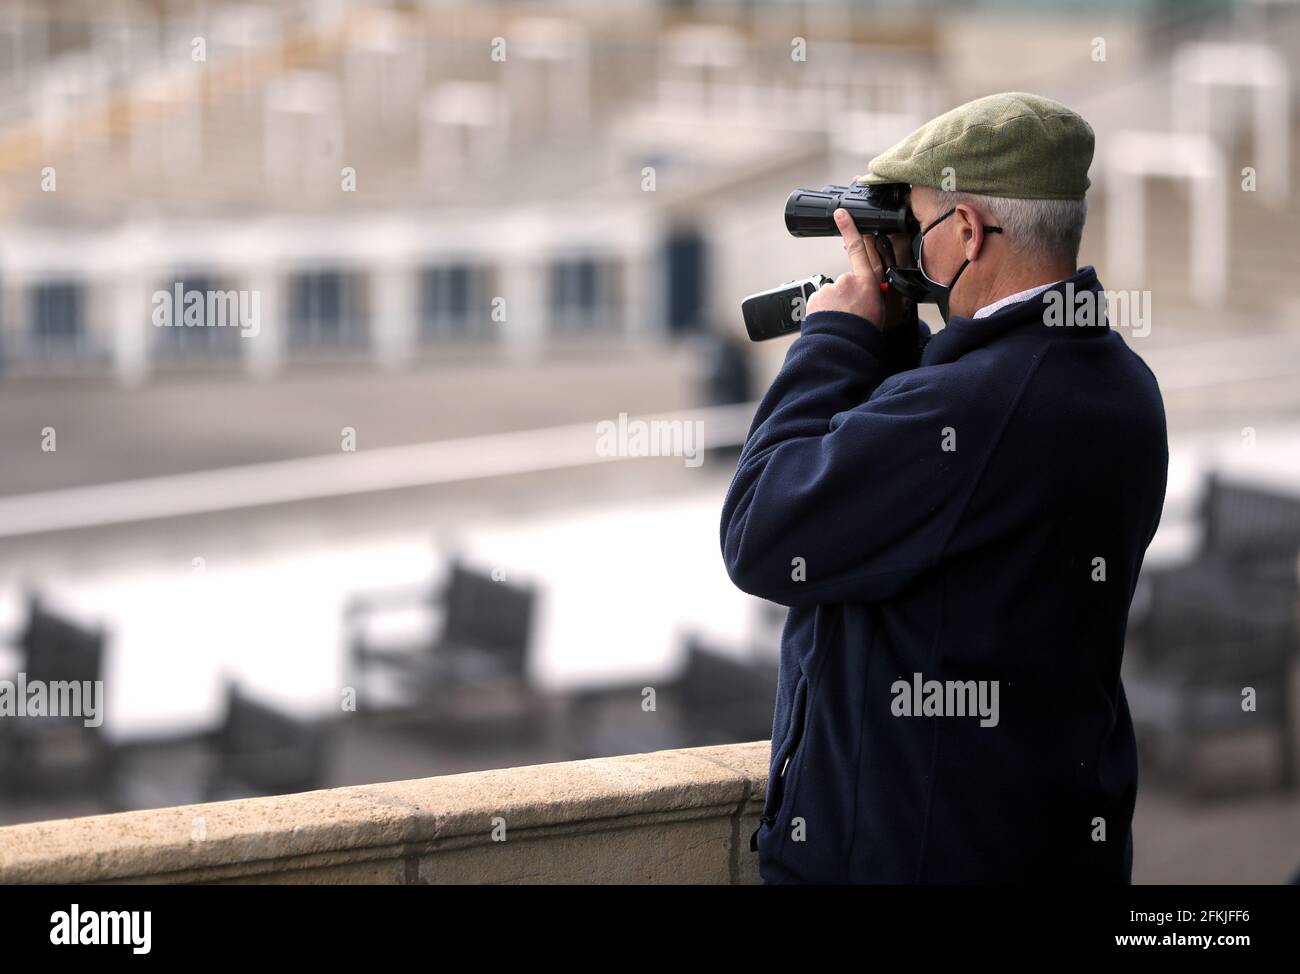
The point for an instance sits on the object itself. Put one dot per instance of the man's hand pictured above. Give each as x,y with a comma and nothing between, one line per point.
857,292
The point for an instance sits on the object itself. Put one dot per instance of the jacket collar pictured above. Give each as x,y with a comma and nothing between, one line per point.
961,334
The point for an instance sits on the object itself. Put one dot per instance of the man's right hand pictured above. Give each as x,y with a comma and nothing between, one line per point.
858,291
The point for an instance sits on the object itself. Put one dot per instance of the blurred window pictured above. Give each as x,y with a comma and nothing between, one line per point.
57,322
455,303
181,343
326,310
584,296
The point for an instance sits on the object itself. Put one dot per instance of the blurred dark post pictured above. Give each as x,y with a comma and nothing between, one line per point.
725,378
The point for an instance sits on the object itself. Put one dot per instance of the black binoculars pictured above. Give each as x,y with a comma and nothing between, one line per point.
879,210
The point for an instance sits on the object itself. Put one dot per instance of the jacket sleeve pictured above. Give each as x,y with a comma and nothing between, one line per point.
844,490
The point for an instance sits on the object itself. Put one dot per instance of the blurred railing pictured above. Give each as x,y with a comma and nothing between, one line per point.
341,474
680,816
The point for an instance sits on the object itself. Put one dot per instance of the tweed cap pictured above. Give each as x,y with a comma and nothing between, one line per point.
1012,144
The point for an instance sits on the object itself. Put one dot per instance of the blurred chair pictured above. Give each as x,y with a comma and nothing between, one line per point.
1251,529
1224,621
716,698
264,751
725,699
55,754
257,750
481,647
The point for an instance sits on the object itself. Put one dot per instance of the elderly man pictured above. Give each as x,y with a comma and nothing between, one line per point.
957,525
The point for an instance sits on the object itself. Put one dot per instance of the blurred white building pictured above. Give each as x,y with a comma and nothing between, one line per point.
391,179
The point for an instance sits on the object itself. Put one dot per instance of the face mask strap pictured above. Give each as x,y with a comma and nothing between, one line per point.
937,220
917,251
947,292
913,283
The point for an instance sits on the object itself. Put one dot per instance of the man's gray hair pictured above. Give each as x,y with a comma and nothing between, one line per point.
1050,228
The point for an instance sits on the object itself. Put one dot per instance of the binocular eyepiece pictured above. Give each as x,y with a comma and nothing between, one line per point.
878,210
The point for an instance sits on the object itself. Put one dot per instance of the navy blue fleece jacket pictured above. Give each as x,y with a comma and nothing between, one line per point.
976,513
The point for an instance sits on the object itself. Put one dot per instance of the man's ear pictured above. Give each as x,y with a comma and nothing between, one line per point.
971,227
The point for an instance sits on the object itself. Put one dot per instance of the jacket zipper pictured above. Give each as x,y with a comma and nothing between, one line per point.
769,819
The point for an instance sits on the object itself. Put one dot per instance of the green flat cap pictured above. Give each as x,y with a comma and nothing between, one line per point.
1012,144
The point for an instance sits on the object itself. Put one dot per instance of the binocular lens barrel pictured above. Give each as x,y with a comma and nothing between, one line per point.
810,213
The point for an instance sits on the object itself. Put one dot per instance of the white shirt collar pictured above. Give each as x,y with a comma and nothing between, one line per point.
1001,303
